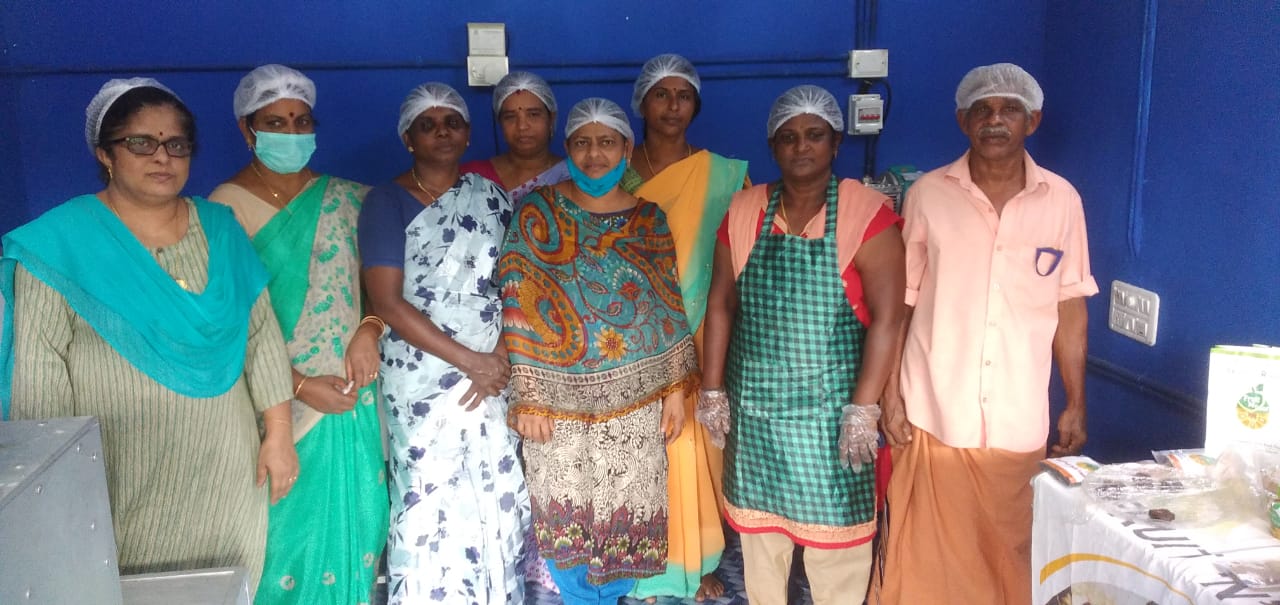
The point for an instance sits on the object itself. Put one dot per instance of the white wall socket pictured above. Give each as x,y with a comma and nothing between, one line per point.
869,63
1134,312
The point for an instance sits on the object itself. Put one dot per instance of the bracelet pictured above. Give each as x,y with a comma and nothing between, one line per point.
382,325
299,388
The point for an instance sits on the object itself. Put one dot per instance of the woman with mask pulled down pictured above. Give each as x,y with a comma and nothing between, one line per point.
429,241
147,309
323,541
601,360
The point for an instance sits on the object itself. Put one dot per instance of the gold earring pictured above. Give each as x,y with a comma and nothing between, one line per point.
109,174
411,149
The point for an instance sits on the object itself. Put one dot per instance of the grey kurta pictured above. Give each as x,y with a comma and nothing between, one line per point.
181,471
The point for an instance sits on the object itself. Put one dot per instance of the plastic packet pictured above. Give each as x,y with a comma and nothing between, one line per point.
1254,573
1070,470
1192,462
1154,493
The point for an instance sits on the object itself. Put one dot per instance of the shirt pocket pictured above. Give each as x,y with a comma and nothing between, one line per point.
1036,273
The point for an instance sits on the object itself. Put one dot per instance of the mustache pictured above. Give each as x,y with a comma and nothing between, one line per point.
994,131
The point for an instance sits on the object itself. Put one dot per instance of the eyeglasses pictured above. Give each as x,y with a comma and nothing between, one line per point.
177,147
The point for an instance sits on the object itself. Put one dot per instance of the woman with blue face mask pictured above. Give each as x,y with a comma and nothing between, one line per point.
601,361
324,540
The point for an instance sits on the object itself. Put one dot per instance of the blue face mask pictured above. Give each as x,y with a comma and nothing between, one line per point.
596,187
284,153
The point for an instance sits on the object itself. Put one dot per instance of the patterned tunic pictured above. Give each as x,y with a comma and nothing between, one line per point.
597,334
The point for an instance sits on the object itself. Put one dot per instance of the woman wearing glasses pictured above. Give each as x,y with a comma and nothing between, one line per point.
303,225
147,309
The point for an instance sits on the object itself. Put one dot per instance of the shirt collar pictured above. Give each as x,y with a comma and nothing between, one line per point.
959,170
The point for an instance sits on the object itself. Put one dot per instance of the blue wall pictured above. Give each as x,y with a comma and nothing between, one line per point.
1187,209
1200,229
365,57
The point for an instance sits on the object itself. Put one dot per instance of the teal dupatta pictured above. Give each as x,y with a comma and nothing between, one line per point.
193,344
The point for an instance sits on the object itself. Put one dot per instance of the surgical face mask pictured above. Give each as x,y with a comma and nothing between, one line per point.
596,187
284,153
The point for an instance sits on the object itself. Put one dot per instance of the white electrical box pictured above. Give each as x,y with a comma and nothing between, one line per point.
486,71
866,114
1134,312
487,39
869,63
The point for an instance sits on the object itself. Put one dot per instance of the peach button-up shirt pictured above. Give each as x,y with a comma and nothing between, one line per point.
986,288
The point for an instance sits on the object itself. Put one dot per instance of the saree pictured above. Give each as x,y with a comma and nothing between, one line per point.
555,174
324,539
694,193
460,508
597,335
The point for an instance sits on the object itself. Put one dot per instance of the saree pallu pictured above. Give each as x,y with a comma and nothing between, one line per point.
324,539
460,506
597,337
694,193
555,174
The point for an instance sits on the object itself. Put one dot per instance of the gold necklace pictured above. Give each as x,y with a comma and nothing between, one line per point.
270,190
782,209
182,283
414,171
688,151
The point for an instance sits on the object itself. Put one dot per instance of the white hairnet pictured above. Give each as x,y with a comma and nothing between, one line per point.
659,67
803,99
523,80
602,111
999,80
426,96
270,83
105,98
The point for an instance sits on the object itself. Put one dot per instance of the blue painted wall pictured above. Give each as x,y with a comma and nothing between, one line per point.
1205,214
366,56
1189,210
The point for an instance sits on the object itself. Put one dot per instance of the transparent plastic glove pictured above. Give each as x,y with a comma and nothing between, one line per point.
713,412
858,435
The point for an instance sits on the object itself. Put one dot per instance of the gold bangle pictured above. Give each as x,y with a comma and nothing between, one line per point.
382,325
299,388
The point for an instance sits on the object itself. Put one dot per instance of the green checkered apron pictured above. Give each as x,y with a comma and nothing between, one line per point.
793,363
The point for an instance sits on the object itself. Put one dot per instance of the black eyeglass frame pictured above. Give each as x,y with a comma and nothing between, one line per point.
186,146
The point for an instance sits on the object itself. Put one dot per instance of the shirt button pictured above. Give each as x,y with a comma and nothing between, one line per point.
984,400
995,287
987,362
999,248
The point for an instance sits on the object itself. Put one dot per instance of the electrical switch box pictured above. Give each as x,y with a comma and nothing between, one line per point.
869,63
866,114
486,71
487,39
1134,312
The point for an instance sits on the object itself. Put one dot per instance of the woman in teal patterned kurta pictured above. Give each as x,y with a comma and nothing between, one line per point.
148,311
324,540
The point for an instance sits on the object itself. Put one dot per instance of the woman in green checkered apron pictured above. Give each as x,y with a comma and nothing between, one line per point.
802,319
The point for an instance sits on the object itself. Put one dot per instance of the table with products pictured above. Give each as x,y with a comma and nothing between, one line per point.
1081,553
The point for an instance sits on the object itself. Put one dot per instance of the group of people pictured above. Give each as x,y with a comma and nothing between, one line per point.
581,365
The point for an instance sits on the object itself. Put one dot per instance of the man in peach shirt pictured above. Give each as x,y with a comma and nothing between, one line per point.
997,271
